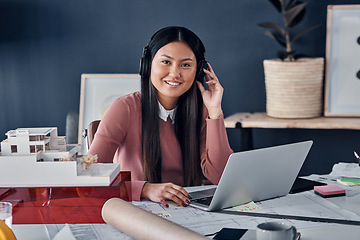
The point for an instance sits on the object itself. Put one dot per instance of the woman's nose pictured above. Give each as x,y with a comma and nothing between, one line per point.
174,71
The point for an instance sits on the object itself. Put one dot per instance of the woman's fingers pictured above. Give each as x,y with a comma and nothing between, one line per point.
209,75
213,96
201,87
162,191
177,194
163,202
211,79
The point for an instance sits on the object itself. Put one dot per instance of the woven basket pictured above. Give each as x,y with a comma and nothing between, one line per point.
294,89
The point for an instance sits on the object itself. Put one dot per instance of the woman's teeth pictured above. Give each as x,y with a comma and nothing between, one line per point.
173,83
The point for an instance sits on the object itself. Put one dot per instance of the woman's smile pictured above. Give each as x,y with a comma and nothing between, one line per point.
172,83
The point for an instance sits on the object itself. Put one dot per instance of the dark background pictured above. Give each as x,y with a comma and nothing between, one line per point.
45,46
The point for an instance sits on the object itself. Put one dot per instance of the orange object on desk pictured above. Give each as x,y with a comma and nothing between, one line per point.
56,205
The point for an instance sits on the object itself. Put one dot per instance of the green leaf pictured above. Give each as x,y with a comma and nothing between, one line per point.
290,14
292,4
277,38
304,31
273,26
298,18
277,5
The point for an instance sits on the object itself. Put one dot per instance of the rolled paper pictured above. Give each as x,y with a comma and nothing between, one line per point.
141,224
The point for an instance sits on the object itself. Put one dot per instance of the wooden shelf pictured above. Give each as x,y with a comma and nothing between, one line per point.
261,120
247,121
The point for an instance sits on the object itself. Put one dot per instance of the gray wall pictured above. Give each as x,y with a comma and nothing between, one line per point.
46,45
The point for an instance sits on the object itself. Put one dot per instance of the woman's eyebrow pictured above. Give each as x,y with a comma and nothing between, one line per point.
187,59
183,60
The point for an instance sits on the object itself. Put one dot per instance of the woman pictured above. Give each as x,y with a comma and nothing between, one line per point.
163,134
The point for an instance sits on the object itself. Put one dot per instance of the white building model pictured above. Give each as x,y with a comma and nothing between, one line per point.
38,157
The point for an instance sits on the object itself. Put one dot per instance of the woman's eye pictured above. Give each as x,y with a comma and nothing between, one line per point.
165,61
186,65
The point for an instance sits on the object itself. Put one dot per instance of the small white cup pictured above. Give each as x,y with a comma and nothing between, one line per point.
275,231
6,213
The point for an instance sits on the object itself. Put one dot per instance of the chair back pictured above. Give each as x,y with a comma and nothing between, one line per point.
90,132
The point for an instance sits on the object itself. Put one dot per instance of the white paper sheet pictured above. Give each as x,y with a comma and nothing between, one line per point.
65,234
346,170
89,231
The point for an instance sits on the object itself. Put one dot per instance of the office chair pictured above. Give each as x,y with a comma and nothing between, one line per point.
90,132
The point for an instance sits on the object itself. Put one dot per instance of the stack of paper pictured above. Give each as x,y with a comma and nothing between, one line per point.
347,173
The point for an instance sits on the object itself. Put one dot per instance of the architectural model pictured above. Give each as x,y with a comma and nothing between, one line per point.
38,157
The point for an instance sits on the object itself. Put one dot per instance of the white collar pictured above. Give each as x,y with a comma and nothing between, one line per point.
164,114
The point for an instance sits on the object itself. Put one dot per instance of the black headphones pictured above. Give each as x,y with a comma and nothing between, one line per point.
145,62
203,64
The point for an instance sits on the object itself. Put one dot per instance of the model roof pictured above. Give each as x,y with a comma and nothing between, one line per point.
32,131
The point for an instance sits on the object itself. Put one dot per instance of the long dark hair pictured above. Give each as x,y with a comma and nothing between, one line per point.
188,119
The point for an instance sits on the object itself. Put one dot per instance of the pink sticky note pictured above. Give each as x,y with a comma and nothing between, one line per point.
329,189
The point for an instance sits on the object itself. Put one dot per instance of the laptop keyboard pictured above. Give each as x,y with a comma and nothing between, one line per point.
203,193
205,201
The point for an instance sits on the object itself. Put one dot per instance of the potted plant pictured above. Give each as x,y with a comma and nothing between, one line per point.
293,85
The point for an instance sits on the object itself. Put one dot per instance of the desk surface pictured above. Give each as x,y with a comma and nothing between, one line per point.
261,120
205,223
333,231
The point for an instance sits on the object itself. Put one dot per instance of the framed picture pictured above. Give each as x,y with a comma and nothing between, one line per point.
342,83
98,91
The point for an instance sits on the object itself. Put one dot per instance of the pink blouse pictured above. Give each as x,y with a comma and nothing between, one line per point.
118,139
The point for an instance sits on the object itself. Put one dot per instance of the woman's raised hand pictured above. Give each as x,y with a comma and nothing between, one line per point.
213,96
159,192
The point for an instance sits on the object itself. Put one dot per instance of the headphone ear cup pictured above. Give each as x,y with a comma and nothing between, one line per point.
142,69
203,64
144,63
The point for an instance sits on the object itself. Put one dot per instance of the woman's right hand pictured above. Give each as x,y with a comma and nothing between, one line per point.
213,96
159,192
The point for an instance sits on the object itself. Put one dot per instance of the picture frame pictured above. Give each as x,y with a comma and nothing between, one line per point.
98,91
342,76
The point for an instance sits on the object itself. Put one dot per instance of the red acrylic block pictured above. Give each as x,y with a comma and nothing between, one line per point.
56,205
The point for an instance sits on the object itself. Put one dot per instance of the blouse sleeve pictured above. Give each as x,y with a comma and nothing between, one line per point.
214,149
111,132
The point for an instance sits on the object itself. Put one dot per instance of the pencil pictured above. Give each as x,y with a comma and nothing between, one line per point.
357,156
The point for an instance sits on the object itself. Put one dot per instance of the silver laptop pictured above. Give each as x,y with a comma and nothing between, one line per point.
254,175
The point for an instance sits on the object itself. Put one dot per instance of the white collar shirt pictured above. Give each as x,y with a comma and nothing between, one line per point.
164,114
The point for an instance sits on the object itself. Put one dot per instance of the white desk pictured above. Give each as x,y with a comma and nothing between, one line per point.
206,223
349,203
30,232
333,231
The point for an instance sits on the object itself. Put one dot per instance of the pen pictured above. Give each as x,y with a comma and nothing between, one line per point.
357,156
